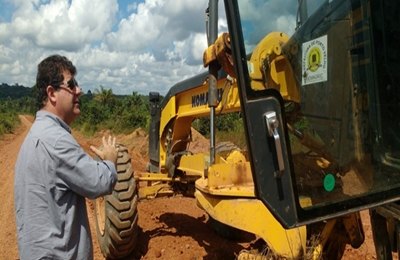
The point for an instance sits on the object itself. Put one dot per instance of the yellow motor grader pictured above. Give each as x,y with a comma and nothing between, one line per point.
320,117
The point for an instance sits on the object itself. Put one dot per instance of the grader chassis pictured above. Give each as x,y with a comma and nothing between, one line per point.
319,116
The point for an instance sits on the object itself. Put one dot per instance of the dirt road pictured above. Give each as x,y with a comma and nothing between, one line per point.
171,228
9,146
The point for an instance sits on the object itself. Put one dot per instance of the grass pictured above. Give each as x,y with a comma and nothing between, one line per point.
8,123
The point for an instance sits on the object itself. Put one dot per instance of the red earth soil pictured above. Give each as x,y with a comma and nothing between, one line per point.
170,228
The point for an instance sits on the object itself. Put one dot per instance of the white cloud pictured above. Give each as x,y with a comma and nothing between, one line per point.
136,32
157,24
59,24
132,7
190,50
263,17
156,44
286,23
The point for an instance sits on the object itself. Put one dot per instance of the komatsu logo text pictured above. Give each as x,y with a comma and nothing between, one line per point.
202,98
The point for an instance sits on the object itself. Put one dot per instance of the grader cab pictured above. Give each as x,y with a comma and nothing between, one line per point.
319,115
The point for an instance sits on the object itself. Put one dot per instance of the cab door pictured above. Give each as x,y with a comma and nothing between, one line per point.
319,107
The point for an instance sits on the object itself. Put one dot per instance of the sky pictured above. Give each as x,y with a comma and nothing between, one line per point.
127,45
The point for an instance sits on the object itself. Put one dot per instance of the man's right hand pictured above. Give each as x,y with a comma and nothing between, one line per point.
109,151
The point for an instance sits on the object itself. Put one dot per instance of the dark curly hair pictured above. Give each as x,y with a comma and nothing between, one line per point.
50,72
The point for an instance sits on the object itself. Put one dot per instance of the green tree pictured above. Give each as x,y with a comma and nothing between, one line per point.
105,97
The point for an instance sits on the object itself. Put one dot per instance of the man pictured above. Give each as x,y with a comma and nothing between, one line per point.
53,174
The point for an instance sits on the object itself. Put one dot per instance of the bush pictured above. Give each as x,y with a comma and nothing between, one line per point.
8,122
229,127
225,122
122,115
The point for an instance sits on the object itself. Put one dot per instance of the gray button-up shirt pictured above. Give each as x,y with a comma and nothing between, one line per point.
53,175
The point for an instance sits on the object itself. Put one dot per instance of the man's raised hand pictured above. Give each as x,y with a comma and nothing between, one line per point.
109,151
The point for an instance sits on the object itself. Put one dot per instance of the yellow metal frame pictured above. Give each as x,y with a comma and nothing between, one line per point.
271,69
180,110
225,190
252,216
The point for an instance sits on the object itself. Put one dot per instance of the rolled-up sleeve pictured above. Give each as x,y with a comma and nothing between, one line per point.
80,172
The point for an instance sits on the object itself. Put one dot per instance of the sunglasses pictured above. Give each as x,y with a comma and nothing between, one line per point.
71,84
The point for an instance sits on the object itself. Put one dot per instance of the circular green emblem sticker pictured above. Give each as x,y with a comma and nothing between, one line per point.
329,182
314,59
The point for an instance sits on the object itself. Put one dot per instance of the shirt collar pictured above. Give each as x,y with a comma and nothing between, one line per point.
43,114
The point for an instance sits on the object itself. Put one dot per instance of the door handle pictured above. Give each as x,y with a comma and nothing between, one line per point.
272,124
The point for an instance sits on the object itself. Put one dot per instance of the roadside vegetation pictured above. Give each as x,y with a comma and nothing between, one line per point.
229,127
9,110
102,110
8,122
120,114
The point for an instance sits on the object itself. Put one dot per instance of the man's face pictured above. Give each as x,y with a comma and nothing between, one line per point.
67,104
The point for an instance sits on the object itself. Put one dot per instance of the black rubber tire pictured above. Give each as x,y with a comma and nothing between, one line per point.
380,236
335,248
117,235
225,148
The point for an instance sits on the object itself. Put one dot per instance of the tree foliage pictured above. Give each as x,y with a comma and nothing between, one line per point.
14,91
105,110
101,110
224,122
105,97
13,103
229,127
